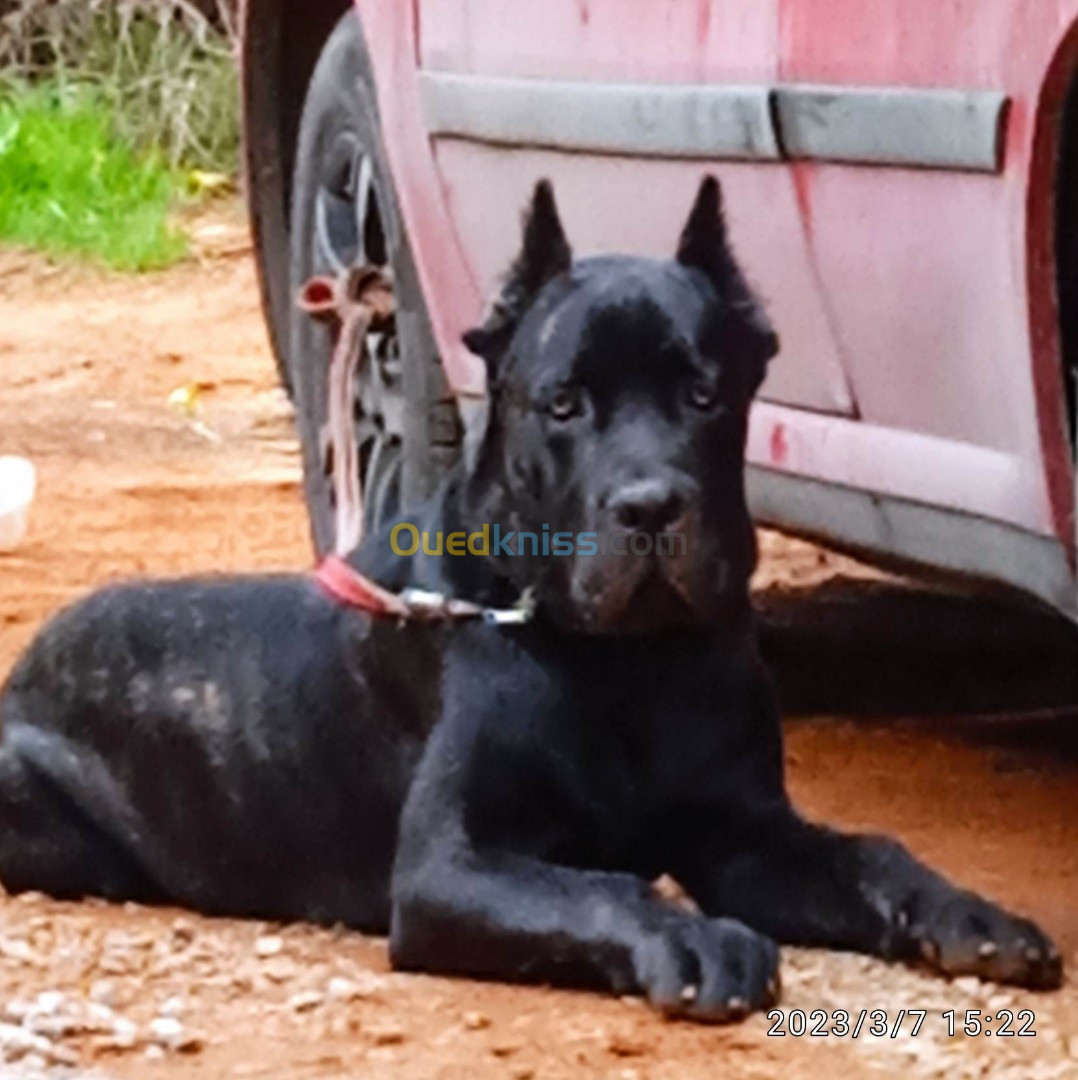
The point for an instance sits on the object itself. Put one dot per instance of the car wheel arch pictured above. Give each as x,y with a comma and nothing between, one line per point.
281,43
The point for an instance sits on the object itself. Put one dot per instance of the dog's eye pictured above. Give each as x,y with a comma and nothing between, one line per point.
704,394
564,404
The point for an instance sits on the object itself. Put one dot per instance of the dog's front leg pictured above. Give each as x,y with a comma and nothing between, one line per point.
808,885
461,909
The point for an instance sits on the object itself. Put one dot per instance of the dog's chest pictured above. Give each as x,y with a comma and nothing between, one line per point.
593,755
607,772
623,784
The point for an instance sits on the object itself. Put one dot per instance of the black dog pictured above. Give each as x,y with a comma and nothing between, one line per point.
497,797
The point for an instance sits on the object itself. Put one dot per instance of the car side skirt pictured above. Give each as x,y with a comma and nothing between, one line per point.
882,528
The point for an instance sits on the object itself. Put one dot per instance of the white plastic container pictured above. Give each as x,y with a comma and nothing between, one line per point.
18,481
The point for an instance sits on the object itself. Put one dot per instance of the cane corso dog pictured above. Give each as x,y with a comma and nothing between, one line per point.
498,798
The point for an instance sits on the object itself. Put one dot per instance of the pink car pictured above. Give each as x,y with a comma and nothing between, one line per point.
902,183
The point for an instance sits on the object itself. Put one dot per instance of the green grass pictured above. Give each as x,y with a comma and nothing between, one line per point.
111,113
69,185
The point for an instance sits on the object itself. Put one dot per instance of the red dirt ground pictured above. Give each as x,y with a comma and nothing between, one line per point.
949,721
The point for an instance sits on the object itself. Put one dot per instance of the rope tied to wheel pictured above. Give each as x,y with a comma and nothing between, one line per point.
356,302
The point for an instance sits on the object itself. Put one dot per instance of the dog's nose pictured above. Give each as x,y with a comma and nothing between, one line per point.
648,505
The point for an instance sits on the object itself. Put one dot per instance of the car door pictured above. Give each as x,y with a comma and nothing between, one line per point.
912,124
625,104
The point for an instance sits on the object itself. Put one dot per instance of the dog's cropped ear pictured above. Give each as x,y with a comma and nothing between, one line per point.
544,255
705,246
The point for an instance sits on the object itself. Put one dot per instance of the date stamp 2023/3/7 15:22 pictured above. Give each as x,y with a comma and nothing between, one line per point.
882,1024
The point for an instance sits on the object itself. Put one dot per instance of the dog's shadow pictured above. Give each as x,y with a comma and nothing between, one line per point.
889,648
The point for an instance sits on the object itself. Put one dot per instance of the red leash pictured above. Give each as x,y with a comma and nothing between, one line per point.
348,586
354,301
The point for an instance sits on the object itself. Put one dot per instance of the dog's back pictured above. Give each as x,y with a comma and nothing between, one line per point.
243,711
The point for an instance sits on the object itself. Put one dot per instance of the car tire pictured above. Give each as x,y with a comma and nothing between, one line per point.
345,212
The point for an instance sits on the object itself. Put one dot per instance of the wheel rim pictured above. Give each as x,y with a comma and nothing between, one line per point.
348,231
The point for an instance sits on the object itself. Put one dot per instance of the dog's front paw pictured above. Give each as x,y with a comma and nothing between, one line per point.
711,970
965,935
